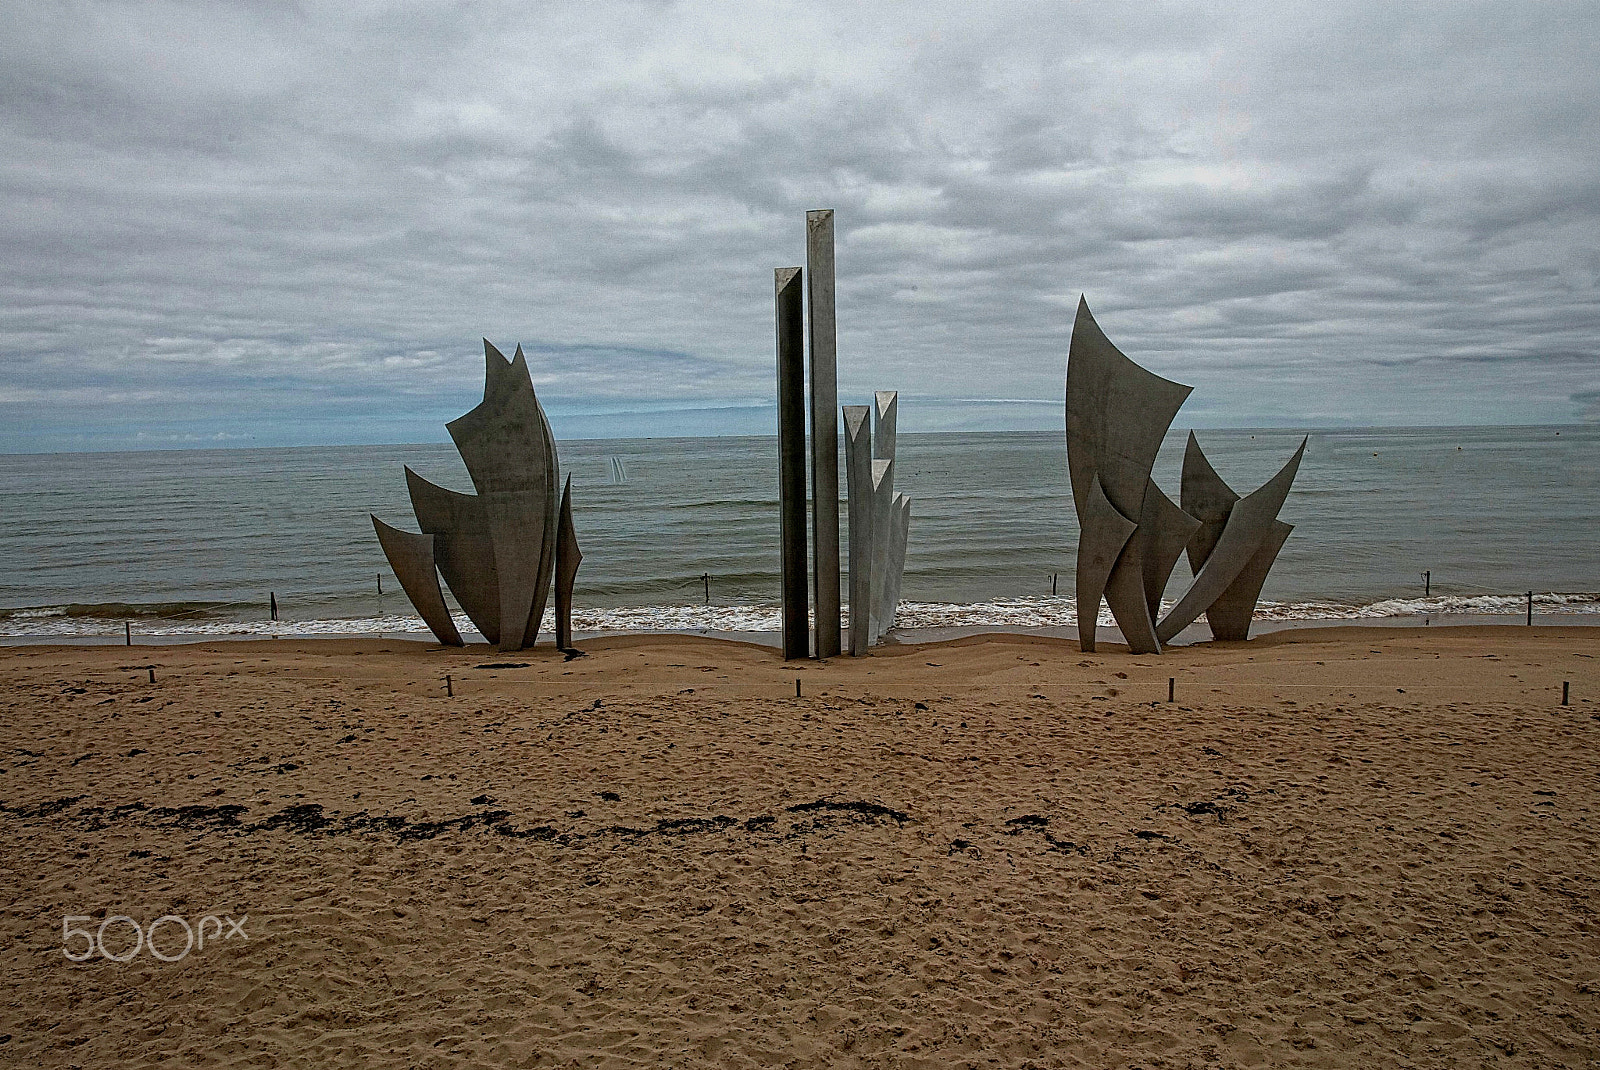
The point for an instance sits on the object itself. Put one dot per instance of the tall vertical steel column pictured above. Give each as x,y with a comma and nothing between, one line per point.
858,473
790,312
885,414
824,429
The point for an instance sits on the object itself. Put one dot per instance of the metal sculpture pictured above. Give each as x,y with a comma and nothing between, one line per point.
1208,499
1130,533
824,431
792,460
879,519
568,558
1251,528
901,519
885,414
411,557
858,488
496,549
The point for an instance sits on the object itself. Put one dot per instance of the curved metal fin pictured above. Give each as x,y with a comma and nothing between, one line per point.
1249,524
552,524
1164,530
463,549
411,557
1125,595
495,366
568,557
858,490
509,451
882,528
1206,498
1230,615
900,530
1102,534
885,415
1117,415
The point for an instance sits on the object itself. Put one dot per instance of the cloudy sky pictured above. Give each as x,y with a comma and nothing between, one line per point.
277,223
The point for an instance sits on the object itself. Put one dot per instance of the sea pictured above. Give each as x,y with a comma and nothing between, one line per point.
681,534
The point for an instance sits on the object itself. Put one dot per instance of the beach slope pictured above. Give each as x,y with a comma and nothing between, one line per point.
1346,847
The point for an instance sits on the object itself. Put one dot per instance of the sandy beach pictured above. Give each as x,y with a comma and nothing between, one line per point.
1341,847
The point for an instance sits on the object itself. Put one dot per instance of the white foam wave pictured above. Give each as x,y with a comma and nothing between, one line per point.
50,622
1481,605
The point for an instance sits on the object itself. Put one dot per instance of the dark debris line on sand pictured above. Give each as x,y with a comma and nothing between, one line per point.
818,817
310,819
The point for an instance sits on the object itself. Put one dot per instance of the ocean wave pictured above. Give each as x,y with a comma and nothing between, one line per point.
1479,605
121,611
202,620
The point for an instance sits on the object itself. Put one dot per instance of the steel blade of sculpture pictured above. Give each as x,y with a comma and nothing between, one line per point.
897,558
858,488
497,548
568,558
1117,414
1208,499
885,415
1249,529
882,499
1204,496
411,556
824,399
879,519
789,316
1130,533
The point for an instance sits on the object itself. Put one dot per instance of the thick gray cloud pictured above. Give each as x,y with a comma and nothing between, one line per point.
269,222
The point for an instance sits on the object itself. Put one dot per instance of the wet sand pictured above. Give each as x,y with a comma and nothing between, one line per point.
1340,847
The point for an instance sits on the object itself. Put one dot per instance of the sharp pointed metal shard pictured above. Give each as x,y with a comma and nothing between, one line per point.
552,521
463,548
885,415
1231,614
1205,497
858,491
497,549
568,557
1248,526
496,370
510,454
1117,414
411,557
1164,530
1125,595
1103,533
882,520
897,558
